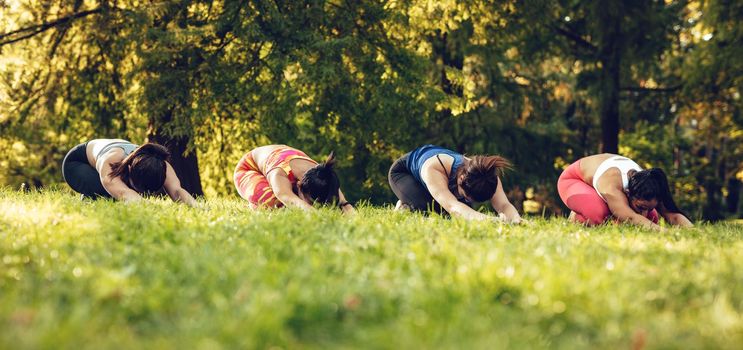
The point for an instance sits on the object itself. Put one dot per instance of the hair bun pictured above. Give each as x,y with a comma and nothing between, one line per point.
326,168
330,160
320,183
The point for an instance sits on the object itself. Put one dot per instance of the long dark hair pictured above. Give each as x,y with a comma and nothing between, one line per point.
479,176
652,184
321,183
145,167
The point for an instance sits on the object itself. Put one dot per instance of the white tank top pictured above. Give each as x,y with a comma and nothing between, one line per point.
624,165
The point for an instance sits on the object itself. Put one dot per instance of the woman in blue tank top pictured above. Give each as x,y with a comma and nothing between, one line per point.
433,178
122,170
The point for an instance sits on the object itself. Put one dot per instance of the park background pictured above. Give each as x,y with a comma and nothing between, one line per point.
542,83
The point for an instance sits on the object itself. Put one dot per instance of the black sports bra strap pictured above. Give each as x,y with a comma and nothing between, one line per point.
442,165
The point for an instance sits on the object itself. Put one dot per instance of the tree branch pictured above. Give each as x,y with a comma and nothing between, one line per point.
27,32
58,40
63,31
576,38
644,89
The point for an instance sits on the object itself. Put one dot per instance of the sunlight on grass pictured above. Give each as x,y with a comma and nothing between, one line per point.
25,215
100,274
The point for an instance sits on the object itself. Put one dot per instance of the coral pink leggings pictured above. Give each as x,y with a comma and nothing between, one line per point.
583,199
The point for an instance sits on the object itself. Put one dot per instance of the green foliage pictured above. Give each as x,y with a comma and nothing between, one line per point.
371,80
104,274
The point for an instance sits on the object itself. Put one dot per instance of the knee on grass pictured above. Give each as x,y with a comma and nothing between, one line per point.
591,218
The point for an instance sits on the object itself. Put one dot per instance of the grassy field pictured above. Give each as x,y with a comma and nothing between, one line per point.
157,275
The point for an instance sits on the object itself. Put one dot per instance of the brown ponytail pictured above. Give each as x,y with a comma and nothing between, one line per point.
478,176
145,168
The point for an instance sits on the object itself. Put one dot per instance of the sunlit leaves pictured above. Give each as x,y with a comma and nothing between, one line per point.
373,79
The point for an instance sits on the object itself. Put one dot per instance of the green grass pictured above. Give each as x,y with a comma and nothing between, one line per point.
157,275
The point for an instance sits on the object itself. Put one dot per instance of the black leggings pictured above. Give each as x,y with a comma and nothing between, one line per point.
82,177
409,190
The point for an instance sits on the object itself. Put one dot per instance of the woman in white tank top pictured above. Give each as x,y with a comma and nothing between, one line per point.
120,169
623,164
604,185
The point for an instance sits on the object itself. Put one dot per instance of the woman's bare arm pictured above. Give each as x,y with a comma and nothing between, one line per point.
348,208
114,185
500,203
677,219
438,185
173,187
610,187
619,207
282,189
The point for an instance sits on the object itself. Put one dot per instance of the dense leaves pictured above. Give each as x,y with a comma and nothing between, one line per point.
540,82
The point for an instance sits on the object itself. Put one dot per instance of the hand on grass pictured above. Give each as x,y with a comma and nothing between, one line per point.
526,222
202,205
514,221
348,210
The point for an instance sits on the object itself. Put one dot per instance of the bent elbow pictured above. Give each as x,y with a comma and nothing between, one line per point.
284,199
624,217
502,208
110,187
180,193
106,181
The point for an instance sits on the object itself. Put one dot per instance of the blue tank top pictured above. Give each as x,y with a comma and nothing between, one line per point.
420,155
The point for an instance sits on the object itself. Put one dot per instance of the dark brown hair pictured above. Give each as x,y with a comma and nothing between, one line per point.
321,183
652,184
145,167
478,176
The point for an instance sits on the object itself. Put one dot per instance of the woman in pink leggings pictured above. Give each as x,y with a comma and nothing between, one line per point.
603,185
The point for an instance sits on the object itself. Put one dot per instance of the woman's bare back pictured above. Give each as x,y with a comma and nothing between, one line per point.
589,165
95,146
299,166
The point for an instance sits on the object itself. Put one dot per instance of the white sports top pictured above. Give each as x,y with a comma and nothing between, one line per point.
624,165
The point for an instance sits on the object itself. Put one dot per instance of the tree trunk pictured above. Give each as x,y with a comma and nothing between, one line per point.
186,167
610,58
712,183
609,102
733,198
444,130
712,207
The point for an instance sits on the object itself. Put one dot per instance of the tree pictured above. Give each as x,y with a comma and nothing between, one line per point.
711,105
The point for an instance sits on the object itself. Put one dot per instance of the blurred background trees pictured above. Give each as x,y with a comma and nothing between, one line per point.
540,82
